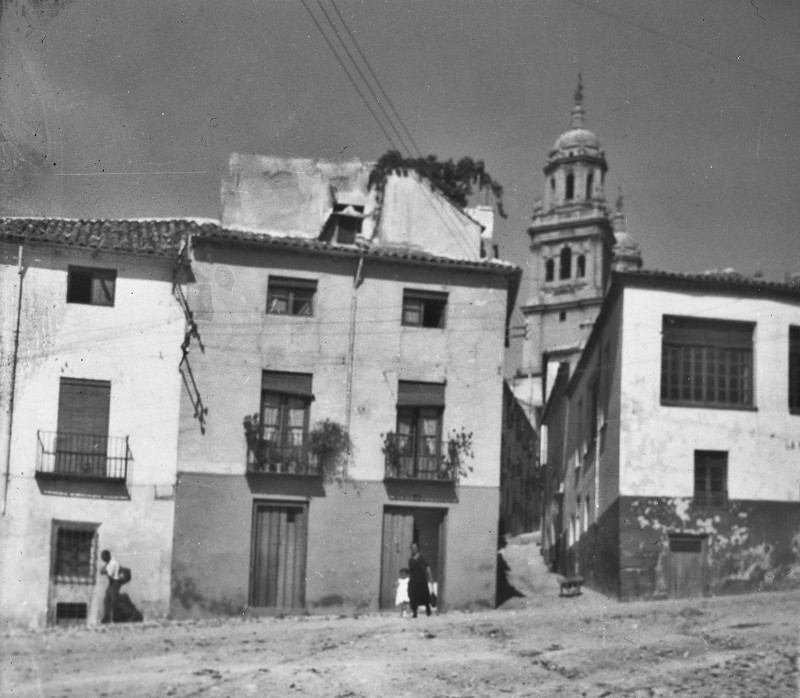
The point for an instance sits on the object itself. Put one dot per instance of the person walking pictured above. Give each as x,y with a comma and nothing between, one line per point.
110,568
419,578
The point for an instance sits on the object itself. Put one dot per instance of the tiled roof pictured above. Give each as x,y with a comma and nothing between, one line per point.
389,253
155,237
721,280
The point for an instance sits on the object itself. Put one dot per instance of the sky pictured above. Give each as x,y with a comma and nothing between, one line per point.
113,109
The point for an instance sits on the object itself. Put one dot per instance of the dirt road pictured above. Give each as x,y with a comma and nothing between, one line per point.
535,645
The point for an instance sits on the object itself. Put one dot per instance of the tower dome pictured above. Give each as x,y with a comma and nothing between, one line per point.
576,166
578,137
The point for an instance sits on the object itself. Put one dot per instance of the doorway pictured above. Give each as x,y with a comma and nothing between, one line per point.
401,527
278,560
684,567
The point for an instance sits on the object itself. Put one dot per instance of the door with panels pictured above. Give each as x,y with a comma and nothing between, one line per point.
278,560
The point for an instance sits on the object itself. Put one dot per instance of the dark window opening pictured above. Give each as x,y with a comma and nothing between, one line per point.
794,370
71,613
581,266
75,554
552,184
549,270
91,286
685,544
286,296
562,315
281,444
424,309
344,224
570,187
566,263
711,478
589,183
706,362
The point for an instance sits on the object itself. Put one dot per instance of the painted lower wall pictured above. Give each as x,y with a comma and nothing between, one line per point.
751,546
213,538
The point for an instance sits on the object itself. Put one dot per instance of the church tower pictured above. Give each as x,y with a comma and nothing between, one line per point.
572,242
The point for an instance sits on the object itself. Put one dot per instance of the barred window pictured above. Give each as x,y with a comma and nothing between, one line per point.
75,553
711,478
706,363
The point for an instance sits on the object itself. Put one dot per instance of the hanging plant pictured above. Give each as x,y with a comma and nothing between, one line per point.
330,444
459,453
456,180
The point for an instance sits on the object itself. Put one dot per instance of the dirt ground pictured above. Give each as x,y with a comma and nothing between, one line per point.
536,644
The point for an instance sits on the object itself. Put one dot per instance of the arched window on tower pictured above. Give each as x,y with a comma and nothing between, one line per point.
552,184
549,270
570,187
580,265
589,183
566,263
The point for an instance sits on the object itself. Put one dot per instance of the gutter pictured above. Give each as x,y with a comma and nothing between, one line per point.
12,391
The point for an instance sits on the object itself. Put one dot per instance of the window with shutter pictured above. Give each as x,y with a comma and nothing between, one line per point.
82,438
91,286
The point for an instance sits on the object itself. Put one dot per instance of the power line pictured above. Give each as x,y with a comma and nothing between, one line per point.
352,36
350,77
361,75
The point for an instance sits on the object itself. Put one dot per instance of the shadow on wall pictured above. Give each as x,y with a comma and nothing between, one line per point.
505,590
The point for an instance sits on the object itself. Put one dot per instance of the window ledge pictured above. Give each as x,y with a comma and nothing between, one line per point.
735,408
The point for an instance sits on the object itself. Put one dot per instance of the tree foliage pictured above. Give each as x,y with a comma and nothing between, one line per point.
456,180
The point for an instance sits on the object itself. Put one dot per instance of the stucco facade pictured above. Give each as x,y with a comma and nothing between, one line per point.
118,492
633,505
354,350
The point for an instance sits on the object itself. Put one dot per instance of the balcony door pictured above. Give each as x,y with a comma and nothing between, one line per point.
82,437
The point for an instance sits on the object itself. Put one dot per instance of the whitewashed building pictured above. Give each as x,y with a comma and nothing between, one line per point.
90,348
673,450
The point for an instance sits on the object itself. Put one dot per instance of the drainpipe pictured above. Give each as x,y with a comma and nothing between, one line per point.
12,391
352,343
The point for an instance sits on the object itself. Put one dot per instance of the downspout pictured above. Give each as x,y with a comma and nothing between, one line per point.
12,391
352,343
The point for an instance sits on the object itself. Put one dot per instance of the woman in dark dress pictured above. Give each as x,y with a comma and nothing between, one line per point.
419,576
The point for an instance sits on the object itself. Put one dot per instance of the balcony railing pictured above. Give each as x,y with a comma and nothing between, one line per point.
82,456
425,462
268,457
715,500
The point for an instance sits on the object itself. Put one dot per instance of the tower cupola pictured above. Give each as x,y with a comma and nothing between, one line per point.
576,165
625,255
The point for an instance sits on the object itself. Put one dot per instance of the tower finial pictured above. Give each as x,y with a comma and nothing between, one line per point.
577,118
620,201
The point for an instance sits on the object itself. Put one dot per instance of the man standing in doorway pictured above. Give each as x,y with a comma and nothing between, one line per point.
111,570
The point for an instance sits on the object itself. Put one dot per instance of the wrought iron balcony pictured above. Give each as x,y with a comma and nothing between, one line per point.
97,457
270,458
711,499
424,459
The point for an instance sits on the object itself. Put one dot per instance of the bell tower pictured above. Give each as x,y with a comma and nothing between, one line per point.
571,243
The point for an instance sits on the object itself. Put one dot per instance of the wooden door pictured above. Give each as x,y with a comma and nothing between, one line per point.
279,556
685,566
398,534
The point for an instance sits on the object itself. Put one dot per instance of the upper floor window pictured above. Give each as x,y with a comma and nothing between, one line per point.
581,266
344,224
82,428
589,183
711,478
549,270
91,286
416,445
707,363
281,444
424,308
286,296
794,370
565,272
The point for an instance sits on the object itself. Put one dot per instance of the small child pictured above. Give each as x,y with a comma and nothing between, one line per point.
401,599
